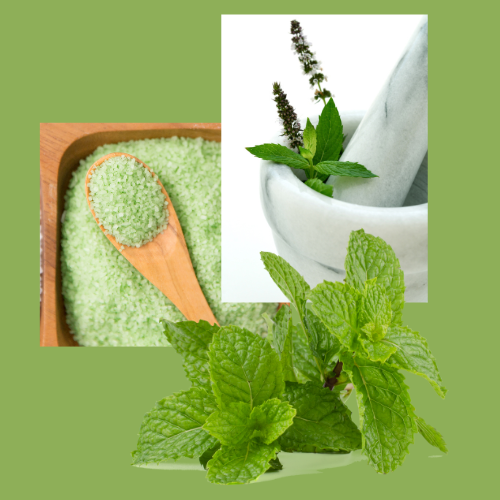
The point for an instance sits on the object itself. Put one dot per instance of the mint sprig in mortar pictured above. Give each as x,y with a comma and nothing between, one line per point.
318,150
252,398
320,154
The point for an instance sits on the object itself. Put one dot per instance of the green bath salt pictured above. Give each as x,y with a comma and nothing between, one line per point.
128,201
108,302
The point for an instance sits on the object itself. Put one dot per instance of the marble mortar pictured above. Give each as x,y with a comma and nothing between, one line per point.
311,231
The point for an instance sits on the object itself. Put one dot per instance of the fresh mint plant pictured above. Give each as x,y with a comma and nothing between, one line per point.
252,397
319,158
232,417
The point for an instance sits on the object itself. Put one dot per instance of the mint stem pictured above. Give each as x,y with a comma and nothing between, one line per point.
331,381
312,172
321,94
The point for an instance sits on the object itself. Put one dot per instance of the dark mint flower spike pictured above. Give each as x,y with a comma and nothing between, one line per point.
288,117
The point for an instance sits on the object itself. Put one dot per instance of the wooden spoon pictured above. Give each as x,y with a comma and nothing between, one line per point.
165,260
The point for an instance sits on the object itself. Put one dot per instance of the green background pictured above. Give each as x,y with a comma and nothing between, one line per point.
69,417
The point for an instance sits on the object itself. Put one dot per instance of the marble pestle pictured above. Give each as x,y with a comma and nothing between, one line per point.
391,140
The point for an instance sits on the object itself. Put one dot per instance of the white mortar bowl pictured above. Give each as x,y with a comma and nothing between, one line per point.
311,231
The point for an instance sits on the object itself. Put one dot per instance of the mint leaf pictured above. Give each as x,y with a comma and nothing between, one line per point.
322,421
173,428
303,360
324,345
283,342
335,304
344,169
237,424
413,354
370,257
204,459
191,340
270,328
274,465
270,325
320,187
279,154
271,419
309,137
375,311
243,368
231,426
242,464
430,434
289,281
305,153
385,411
329,134
376,351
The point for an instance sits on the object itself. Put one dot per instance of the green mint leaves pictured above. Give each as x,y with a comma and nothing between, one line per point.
192,340
289,281
308,366
370,257
305,153
329,134
231,426
322,423
364,317
343,168
413,354
244,368
336,305
310,138
283,342
387,421
320,187
254,397
320,153
375,311
233,423
271,419
237,423
241,464
323,346
174,428
208,455
279,154
431,435
247,381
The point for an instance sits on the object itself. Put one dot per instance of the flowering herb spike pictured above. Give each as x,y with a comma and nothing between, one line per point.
288,117
311,66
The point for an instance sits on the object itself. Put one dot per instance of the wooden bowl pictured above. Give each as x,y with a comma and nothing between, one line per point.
62,146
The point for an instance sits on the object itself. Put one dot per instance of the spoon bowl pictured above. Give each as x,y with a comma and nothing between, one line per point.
165,260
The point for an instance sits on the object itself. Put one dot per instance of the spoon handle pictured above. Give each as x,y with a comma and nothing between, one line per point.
165,262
